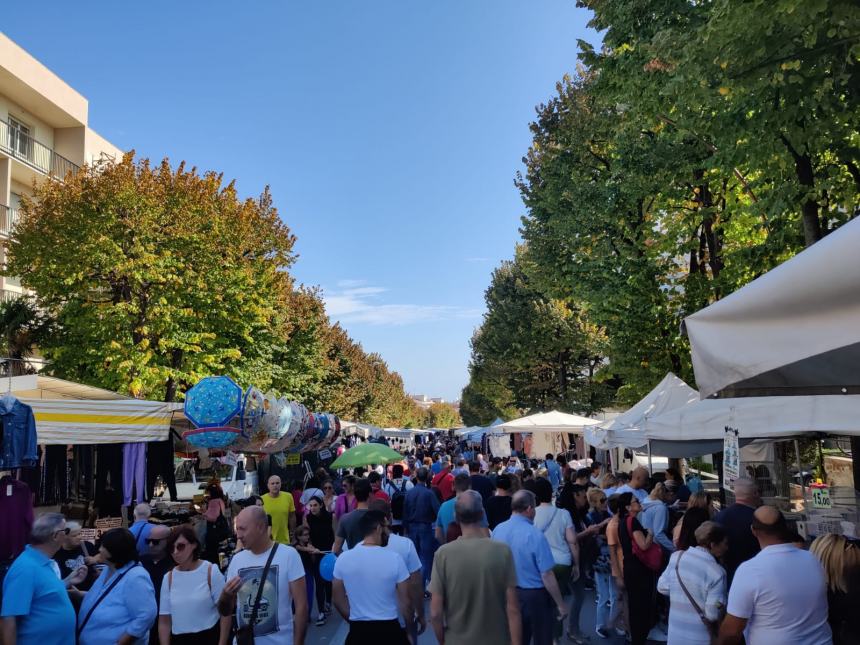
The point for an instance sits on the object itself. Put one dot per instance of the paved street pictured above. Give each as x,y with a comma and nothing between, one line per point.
335,630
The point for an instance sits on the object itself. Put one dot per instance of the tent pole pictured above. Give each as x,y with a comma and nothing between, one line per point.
650,467
800,474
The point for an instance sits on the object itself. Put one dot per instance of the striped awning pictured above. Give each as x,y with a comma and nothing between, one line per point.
74,421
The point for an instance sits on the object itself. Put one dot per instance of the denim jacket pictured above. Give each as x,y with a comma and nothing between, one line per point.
18,432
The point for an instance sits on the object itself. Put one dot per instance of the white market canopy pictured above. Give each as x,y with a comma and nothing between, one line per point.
699,428
794,330
554,421
69,413
626,430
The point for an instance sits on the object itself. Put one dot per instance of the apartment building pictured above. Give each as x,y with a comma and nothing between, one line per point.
44,134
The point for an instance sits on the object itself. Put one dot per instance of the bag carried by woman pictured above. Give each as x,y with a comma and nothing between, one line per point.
652,557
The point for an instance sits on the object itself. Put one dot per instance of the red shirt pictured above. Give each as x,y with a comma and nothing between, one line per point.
381,494
444,481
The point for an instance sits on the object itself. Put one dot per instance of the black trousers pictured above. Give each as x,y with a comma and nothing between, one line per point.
159,461
538,614
206,637
322,587
376,632
641,585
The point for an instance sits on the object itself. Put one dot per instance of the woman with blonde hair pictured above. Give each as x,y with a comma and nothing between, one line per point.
840,558
700,509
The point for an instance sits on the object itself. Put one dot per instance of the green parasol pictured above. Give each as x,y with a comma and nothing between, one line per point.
366,454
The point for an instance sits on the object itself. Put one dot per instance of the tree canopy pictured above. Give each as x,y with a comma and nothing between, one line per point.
156,276
697,147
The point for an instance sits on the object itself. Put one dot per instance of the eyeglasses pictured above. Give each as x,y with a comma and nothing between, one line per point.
328,487
180,546
64,531
153,541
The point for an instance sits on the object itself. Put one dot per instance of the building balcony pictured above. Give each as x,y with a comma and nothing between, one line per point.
22,146
8,219
6,295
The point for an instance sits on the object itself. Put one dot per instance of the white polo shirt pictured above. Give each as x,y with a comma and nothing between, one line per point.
782,594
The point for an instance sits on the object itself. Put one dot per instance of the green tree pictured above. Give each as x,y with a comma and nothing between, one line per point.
23,328
155,276
443,415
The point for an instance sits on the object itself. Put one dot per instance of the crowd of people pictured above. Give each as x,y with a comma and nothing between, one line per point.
505,550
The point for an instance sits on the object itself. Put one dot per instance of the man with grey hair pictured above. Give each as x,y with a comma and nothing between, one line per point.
141,527
36,605
537,588
474,583
737,519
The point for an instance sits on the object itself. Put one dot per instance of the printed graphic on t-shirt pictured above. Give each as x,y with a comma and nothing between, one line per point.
267,614
73,563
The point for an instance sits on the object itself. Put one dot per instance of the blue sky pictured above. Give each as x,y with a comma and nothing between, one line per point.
389,131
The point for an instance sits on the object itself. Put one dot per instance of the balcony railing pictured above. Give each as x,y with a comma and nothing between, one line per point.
8,219
22,146
7,295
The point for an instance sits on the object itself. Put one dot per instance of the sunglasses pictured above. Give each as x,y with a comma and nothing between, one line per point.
328,487
64,531
153,541
180,546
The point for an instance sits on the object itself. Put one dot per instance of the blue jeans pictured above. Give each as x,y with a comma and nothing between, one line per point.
422,536
608,606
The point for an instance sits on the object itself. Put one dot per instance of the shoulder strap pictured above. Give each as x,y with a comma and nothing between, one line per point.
99,600
551,518
170,580
687,593
262,584
209,577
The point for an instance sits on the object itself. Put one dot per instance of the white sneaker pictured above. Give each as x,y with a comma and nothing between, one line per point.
658,634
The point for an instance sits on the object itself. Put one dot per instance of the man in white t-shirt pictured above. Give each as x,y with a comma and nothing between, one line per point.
638,481
284,584
369,583
780,595
405,548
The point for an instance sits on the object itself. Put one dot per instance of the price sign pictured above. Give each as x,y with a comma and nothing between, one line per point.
293,459
325,454
821,497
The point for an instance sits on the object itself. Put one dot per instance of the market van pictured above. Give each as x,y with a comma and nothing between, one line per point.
192,475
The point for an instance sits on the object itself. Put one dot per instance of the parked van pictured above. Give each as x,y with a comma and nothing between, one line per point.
191,478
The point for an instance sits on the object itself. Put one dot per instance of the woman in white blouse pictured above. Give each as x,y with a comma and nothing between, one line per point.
188,613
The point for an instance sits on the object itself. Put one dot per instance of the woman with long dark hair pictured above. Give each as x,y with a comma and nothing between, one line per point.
639,580
320,524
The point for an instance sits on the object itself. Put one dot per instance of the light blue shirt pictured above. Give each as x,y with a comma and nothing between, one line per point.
655,518
446,516
37,598
141,530
639,493
532,553
554,472
129,608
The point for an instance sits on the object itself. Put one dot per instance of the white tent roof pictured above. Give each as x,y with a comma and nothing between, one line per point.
36,386
554,421
626,430
699,428
794,330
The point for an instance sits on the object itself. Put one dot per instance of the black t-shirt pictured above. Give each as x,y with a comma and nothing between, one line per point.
498,509
157,571
322,533
70,559
348,527
483,486
737,520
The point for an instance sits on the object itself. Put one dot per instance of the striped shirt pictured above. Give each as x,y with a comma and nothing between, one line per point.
705,579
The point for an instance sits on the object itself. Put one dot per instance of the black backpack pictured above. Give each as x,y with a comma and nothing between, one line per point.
398,501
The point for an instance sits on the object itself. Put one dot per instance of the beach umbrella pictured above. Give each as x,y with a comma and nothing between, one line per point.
366,454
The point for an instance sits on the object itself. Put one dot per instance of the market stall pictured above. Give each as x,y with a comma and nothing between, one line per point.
548,432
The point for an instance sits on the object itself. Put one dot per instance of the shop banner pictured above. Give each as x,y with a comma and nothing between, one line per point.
731,458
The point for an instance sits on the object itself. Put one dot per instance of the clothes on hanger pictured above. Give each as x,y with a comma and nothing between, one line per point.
159,461
55,476
109,463
133,473
18,430
16,509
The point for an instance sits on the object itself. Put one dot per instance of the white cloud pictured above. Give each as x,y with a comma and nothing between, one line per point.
351,284
360,304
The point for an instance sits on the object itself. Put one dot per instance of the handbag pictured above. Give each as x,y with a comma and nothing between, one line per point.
710,625
245,634
652,557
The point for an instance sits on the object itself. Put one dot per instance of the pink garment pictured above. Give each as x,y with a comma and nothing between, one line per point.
214,508
342,507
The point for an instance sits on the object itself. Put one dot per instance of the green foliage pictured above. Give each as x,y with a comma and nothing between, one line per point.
442,415
532,352
157,277
23,328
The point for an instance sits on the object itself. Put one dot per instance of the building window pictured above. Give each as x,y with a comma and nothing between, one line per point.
19,138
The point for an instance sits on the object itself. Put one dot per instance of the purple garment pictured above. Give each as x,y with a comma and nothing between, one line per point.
133,472
17,513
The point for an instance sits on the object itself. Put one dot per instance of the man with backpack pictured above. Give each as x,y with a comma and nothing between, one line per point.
396,488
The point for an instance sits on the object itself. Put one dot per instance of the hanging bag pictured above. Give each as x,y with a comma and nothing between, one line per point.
652,557
713,627
245,634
